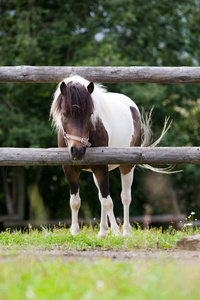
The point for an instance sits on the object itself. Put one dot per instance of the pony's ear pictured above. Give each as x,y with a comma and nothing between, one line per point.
63,88
90,87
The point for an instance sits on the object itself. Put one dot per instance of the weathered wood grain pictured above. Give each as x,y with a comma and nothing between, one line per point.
100,156
186,75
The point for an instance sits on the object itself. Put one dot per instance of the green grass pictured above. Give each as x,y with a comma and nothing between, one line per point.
38,276
61,238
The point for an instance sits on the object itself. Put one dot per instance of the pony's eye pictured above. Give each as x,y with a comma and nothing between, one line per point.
64,117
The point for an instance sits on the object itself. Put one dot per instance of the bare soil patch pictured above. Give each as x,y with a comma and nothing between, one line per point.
92,255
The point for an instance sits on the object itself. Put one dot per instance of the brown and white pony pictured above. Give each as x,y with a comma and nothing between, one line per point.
85,114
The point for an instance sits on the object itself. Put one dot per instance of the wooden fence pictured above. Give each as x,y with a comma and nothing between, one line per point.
136,155
183,75
100,156
164,155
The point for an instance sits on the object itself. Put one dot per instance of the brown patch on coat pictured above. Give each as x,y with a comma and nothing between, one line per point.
99,136
72,174
61,140
125,169
137,137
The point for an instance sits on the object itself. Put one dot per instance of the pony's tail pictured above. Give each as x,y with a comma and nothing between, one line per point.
147,139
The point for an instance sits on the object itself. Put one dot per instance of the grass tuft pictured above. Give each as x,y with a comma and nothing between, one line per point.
61,238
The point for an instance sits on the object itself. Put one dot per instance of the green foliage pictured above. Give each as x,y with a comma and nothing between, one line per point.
158,33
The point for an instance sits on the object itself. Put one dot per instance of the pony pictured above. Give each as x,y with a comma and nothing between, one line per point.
86,115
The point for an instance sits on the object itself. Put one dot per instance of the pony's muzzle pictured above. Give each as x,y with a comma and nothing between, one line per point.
77,153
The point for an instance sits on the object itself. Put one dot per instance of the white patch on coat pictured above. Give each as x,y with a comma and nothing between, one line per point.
114,111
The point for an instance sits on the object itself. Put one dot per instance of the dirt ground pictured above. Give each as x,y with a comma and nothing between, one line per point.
181,255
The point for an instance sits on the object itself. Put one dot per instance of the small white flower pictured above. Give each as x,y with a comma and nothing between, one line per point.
189,224
100,284
30,292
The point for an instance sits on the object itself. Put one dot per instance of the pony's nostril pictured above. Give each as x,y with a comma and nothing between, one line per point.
72,150
77,153
84,150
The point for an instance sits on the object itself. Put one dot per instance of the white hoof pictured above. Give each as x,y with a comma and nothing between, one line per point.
102,234
127,230
115,231
74,229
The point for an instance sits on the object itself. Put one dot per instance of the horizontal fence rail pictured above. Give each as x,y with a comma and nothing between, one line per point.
100,156
153,219
37,74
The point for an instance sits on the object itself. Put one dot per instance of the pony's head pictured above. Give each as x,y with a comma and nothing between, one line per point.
75,105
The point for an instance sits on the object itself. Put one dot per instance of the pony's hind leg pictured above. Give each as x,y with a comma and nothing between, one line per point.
72,175
102,181
127,180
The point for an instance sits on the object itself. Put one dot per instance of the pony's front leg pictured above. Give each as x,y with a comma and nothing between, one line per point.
72,175
102,182
104,218
127,180
75,203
